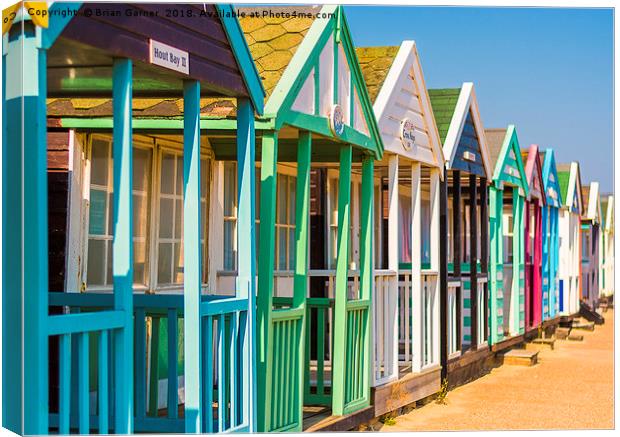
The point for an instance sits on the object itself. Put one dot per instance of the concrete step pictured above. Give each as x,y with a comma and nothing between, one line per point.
541,343
562,333
520,357
587,326
575,337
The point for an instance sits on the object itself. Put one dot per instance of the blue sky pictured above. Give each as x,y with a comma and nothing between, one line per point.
548,71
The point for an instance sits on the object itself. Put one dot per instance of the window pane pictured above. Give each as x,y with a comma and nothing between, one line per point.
229,249
96,262
282,198
179,185
141,169
178,219
282,244
426,232
230,188
164,263
166,212
109,269
291,205
110,229
178,263
99,162
291,248
167,174
97,212
139,215
139,263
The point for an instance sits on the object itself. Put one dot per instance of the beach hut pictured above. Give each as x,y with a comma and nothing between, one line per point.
590,245
570,238
112,103
551,236
533,237
607,247
507,196
319,140
406,318
464,212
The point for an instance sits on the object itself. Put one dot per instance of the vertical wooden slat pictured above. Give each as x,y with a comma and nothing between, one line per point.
140,362
83,389
417,322
103,382
221,370
64,391
473,259
154,371
443,272
173,385
320,350
457,229
484,251
234,323
208,380
122,243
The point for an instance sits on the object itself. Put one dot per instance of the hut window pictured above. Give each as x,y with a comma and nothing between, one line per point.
285,222
404,224
426,233
230,215
100,216
508,233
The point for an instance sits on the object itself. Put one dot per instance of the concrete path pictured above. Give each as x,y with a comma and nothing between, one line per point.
572,387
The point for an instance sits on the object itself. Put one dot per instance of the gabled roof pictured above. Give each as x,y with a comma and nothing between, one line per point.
506,157
590,194
570,183
553,190
396,85
306,91
451,108
533,172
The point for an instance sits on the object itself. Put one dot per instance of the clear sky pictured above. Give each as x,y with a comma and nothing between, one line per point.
548,71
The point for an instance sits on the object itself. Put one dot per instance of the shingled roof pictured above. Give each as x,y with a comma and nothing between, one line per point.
495,141
272,42
444,102
375,63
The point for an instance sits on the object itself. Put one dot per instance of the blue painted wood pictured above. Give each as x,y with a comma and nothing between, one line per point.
154,371
103,382
34,265
192,254
208,377
246,238
233,368
83,370
64,391
85,322
122,244
221,372
140,362
173,385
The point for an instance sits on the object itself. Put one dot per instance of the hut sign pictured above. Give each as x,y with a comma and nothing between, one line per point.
336,120
407,134
169,57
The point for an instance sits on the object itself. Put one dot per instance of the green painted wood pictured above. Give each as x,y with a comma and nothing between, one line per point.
340,334
496,255
173,395
264,360
245,376
140,362
192,269
122,244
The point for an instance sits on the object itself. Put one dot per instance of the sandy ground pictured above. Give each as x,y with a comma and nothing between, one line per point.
571,388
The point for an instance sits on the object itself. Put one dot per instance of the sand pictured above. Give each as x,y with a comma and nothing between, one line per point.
570,388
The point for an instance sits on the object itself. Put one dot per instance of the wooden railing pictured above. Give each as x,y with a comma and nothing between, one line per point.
385,322
224,328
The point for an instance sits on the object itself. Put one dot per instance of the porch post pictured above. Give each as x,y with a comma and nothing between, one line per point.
484,252
342,266
457,220
122,244
393,255
246,249
443,274
302,241
192,277
473,259
417,309
24,221
527,280
434,242
366,266
269,161
495,223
